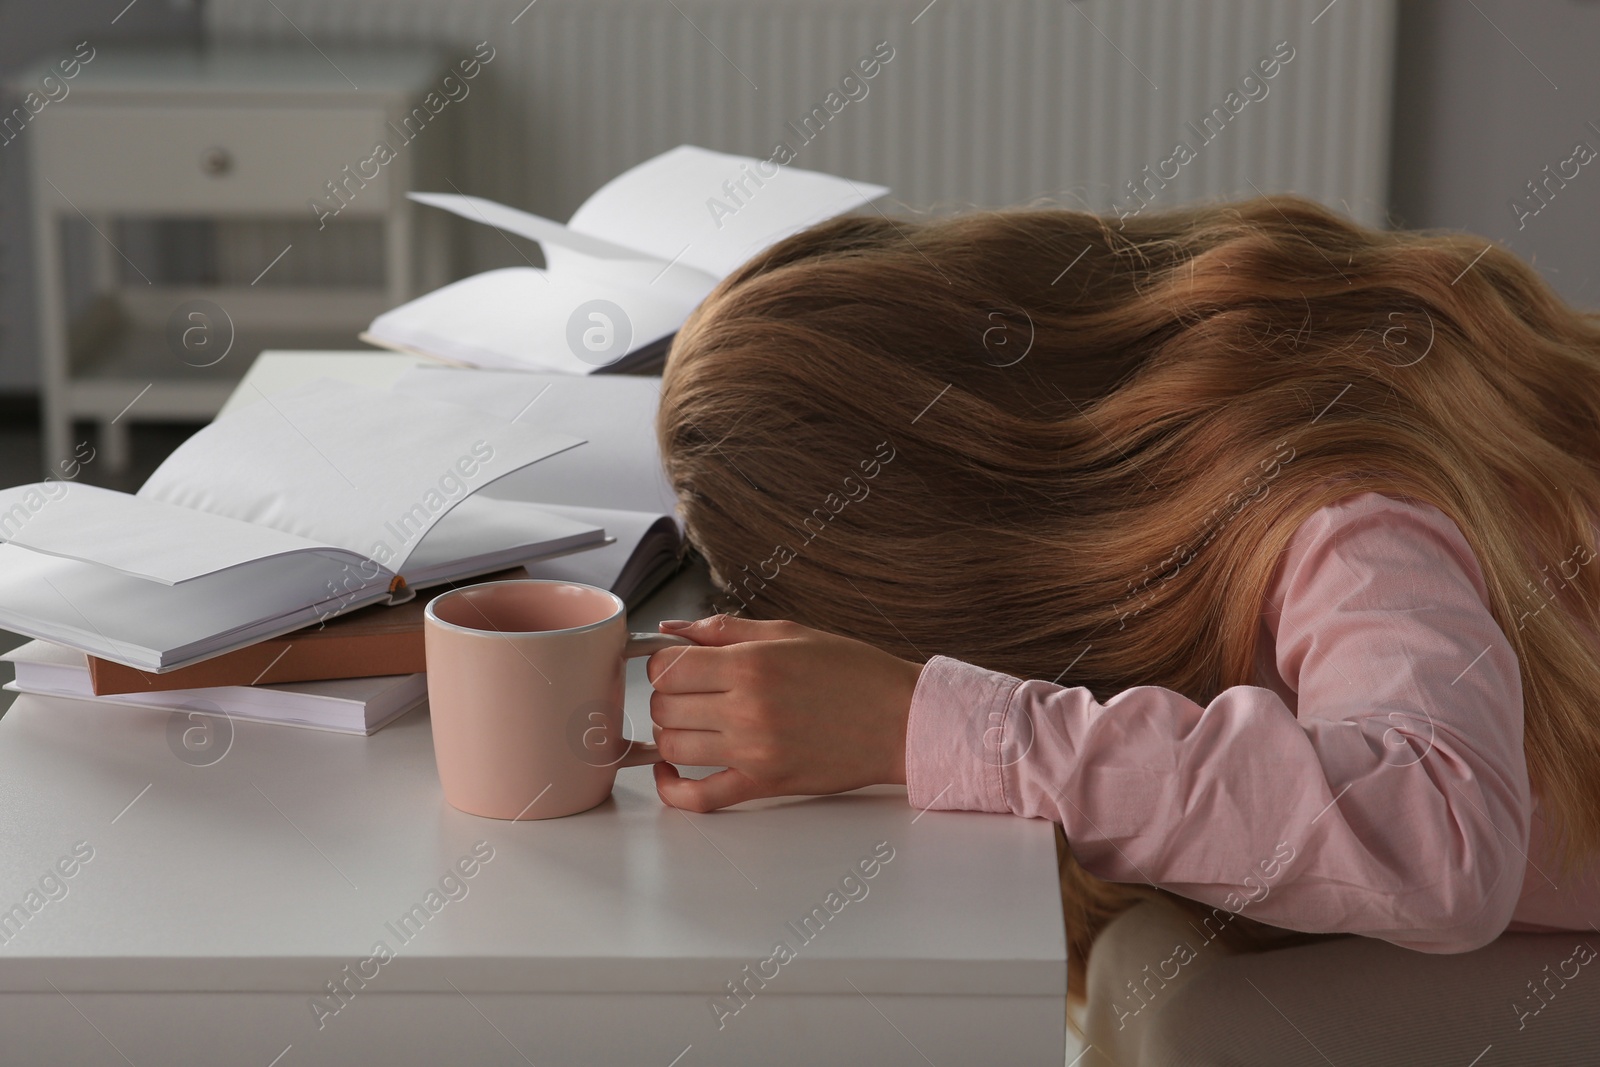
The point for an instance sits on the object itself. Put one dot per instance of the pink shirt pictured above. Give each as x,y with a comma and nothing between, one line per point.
1373,780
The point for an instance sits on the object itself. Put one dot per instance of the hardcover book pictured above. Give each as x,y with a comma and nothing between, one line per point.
320,500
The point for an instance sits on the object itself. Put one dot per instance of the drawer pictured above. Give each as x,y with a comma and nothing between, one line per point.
181,159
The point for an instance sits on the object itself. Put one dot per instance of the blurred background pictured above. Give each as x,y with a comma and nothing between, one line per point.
184,183
156,153
136,168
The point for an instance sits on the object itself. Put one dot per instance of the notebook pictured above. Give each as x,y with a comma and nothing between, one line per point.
346,705
624,272
322,499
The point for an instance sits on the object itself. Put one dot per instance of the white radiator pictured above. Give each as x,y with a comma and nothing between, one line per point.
984,102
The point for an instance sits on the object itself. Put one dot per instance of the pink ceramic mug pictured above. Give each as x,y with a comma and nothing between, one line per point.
525,693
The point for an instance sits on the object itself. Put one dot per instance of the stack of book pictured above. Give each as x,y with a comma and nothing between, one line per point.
269,569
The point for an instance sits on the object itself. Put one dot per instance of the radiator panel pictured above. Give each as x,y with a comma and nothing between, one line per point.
984,104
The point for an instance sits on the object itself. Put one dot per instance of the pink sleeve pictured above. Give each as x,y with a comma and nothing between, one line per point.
1392,802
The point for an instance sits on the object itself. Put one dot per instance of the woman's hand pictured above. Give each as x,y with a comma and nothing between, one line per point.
786,709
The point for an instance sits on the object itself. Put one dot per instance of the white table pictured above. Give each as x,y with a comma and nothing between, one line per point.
221,899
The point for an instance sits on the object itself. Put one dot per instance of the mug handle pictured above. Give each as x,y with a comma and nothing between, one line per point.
643,752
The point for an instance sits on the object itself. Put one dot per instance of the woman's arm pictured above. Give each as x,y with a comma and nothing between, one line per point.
786,709
1396,805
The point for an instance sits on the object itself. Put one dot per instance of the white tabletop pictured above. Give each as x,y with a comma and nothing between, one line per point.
290,857
271,868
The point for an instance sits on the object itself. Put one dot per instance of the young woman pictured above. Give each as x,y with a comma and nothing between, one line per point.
1251,546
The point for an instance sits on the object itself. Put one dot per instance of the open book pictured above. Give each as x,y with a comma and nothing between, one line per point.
318,500
615,481
624,272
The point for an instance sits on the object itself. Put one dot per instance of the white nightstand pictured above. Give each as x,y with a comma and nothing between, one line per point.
242,133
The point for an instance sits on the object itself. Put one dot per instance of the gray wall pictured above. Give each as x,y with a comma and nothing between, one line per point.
1490,92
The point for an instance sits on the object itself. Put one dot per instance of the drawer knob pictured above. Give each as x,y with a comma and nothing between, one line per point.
216,161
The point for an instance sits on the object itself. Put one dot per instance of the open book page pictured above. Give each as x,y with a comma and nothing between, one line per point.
569,251
608,567
525,318
534,227
712,211
368,470
620,465
495,534
152,539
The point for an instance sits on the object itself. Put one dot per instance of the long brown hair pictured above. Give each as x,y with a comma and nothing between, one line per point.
981,436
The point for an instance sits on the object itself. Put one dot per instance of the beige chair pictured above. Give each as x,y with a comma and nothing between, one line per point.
1351,1001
